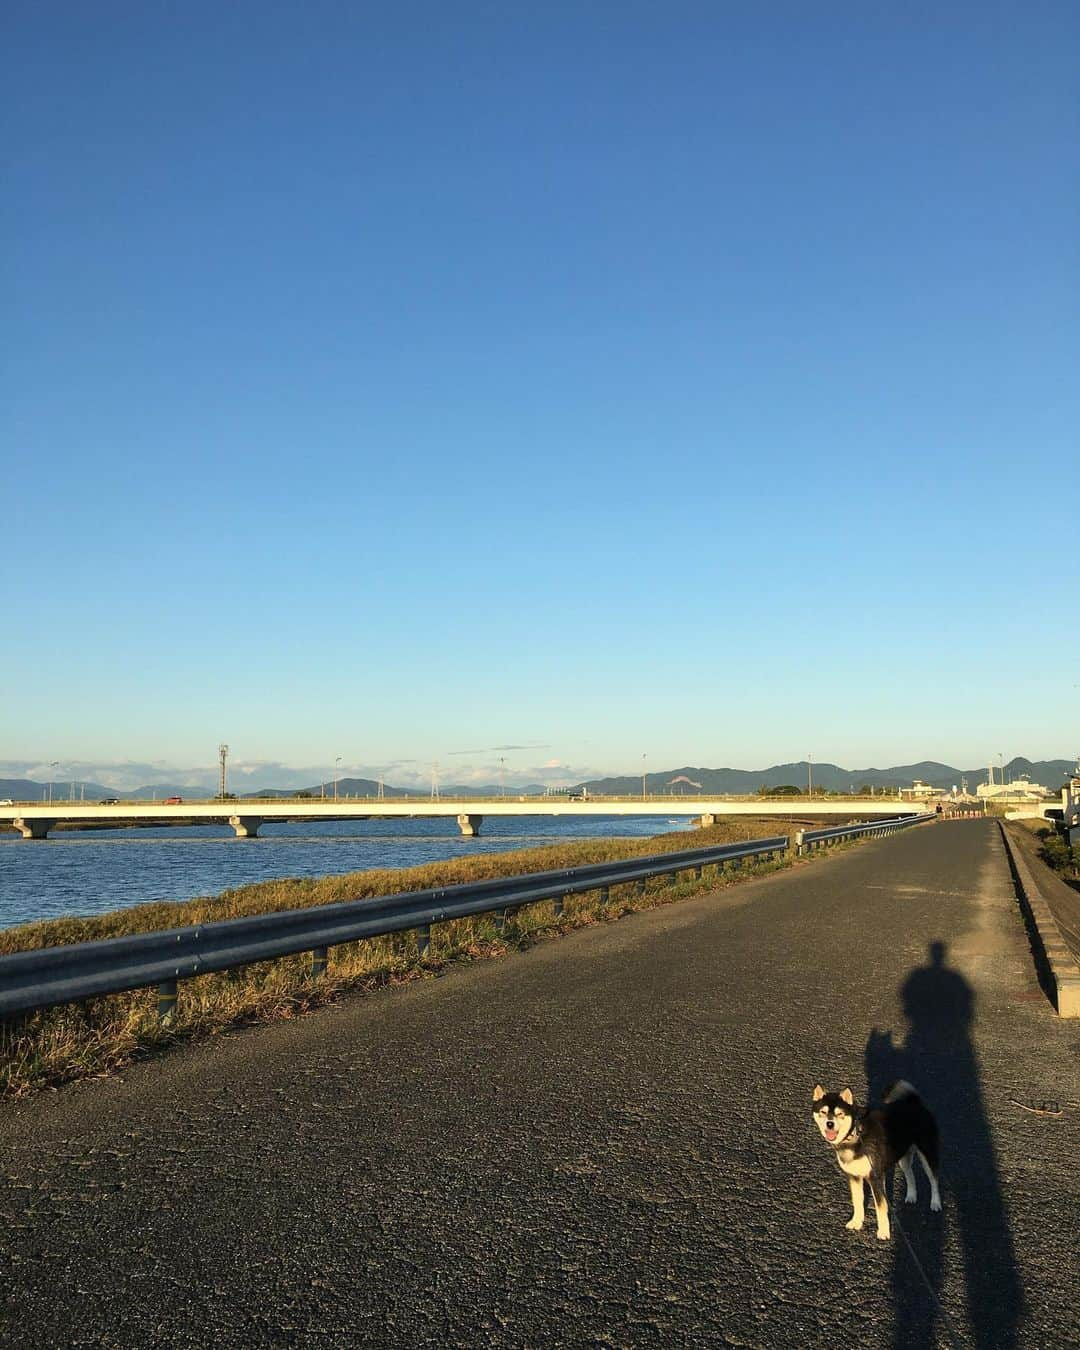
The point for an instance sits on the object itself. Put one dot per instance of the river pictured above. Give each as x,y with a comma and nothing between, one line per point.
78,873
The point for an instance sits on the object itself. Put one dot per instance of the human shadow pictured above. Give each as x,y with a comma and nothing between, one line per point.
939,1059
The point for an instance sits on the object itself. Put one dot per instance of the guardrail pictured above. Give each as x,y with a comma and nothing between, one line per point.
68,974
808,840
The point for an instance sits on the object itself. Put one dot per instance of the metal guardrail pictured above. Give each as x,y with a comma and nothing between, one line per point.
68,974
808,840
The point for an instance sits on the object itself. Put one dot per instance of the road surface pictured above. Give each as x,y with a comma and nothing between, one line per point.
603,1141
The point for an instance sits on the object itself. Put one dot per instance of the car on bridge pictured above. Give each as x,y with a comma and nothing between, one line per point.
172,801
109,801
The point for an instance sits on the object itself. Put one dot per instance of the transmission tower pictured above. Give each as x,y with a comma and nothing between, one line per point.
382,792
223,755
435,782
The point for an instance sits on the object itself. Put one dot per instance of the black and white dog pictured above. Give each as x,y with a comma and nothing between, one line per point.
867,1143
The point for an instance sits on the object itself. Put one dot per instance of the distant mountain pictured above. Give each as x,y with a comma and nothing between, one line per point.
159,791
27,790
346,787
687,781
1050,773
828,777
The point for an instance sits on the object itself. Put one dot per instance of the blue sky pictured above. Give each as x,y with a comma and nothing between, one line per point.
387,382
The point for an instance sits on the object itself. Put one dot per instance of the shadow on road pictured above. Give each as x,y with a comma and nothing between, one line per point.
939,1059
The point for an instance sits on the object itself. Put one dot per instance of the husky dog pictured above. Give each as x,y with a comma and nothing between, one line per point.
868,1143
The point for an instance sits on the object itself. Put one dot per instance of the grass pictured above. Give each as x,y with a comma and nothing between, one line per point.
100,1036
1057,853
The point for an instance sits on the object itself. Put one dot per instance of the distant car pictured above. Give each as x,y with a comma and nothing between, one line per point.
7,802
108,801
173,801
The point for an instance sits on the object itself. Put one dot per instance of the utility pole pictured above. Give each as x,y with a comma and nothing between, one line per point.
502,776
223,755
642,777
337,771
809,775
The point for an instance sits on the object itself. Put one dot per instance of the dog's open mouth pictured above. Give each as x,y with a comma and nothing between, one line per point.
831,1132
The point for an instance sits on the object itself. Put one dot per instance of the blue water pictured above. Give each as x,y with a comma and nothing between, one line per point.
92,872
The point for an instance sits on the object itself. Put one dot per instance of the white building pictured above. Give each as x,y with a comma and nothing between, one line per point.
1070,806
1019,790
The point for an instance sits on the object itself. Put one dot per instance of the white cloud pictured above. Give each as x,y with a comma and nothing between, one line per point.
250,775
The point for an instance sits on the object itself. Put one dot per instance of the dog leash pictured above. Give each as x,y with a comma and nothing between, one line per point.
894,1220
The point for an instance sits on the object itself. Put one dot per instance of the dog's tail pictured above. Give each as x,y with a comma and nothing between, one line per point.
899,1090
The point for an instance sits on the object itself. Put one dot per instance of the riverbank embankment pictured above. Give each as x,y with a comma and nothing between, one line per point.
59,1044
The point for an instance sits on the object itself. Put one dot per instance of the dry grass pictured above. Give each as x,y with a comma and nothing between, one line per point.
101,1035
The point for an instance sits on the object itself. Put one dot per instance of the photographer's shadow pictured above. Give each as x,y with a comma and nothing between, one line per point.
939,1059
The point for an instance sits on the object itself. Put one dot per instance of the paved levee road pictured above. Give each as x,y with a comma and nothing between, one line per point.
603,1141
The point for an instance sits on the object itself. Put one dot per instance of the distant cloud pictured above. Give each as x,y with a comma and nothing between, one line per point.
494,749
247,775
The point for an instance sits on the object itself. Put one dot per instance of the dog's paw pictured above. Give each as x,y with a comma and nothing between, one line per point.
854,1224
884,1234
935,1203
910,1198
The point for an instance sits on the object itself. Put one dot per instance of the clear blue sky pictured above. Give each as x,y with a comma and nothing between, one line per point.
696,380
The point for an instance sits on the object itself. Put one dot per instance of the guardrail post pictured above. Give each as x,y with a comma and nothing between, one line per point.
318,962
603,895
500,921
558,904
798,843
641,886
166,1002
423,940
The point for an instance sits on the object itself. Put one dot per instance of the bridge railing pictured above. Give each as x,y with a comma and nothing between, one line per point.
48,976
808,840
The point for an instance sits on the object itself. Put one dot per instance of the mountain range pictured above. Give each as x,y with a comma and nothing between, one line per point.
828,777
684,781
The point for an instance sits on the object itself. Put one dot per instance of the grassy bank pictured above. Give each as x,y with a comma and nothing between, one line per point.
1057,853
60,1044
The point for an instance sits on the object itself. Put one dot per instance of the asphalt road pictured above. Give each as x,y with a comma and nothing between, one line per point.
603,1141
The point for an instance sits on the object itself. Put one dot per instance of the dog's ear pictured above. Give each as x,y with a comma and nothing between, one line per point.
847,1096
819,1092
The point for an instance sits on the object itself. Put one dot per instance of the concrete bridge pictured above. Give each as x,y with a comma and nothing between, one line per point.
249,815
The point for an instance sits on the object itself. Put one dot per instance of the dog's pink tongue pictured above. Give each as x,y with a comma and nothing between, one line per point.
830,1133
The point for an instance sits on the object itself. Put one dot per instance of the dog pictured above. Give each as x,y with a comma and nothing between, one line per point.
867,1143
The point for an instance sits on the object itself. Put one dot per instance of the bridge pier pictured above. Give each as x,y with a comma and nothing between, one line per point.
33,829
706,819
470,825
246,827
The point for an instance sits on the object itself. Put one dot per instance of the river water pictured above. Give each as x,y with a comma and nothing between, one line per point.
91,872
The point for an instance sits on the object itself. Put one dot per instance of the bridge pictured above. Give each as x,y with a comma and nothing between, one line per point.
248,815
